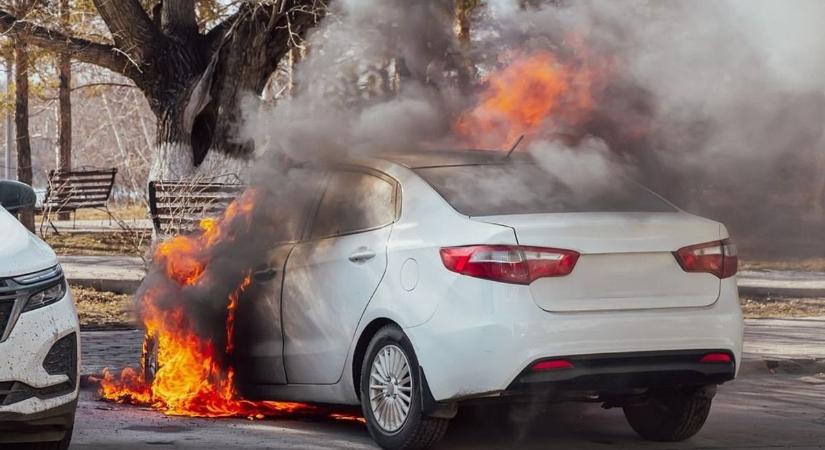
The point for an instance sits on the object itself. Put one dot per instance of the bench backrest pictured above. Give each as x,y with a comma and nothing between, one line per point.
76,189
178,206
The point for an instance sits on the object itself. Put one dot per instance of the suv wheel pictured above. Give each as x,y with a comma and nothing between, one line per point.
391,397
671,417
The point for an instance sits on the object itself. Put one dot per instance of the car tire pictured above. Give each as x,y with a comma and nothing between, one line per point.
383,401
670,417
62,444
149,358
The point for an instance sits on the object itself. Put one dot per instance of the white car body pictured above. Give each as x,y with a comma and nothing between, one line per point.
475,338
45,410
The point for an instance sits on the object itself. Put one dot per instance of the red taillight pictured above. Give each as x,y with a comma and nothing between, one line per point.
509,263
716,358
718,258
553,364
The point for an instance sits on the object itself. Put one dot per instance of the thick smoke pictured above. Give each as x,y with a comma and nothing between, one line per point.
719,105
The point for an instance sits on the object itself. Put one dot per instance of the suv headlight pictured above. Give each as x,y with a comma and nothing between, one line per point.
46,296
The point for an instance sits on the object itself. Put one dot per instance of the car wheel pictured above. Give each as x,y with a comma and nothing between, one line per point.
390,394
62,444
149,358
670,417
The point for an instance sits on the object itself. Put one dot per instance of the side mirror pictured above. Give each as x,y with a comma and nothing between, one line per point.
15,196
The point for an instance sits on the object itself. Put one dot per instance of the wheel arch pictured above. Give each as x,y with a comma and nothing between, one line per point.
361,348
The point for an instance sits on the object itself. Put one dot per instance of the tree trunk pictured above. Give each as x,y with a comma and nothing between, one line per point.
21,119
64,150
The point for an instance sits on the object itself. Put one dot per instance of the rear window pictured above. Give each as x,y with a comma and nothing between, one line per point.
485,190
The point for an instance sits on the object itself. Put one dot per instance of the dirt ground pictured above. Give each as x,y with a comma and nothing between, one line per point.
100,243
782,308
100,310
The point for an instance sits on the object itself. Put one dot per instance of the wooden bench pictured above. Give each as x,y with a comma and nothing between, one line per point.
71,190
178,206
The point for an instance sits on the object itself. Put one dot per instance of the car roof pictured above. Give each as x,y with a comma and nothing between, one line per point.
445,158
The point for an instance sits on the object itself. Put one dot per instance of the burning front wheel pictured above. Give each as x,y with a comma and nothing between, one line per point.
150,358
390,395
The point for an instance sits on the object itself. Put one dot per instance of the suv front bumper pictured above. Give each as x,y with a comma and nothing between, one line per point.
33,390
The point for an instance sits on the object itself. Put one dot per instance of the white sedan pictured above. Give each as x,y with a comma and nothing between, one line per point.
415,283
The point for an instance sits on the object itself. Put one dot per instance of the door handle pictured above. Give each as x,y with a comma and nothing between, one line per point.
264,275
362,255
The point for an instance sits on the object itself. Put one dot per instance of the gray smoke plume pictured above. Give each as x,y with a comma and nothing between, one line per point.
718,105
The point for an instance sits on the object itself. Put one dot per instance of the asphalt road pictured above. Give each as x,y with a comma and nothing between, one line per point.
758,411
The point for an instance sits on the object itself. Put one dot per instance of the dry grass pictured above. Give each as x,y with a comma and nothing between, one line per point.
100,310
100,243
805,265
129,211
782,308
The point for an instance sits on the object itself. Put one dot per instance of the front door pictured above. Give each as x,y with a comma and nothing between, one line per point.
259,345
331,277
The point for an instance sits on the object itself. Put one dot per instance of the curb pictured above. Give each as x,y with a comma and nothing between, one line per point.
780,292
794,366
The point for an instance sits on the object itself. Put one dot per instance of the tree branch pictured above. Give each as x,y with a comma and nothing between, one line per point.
132,29
87,51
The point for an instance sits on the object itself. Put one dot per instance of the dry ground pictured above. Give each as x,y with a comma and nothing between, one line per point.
100,310
131,243
782,308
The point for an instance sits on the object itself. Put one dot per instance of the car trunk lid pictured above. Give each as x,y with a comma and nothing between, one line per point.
626,259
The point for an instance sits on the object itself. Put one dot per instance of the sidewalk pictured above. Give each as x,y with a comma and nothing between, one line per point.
120,274
781,283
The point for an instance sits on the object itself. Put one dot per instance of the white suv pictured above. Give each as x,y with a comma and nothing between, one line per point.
39,335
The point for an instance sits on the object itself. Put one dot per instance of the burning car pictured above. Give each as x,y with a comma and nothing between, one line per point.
39,332
412,284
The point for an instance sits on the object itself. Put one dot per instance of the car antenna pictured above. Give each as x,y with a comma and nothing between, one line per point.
514,147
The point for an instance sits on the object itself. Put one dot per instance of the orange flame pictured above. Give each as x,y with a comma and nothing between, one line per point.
190,380
535,93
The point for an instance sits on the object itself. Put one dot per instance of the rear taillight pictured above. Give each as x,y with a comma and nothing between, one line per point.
717,257
509,263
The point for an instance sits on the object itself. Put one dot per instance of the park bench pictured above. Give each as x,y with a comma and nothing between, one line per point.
70,190
178,206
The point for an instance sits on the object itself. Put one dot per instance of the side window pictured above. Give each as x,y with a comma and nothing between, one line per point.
354,202
290,201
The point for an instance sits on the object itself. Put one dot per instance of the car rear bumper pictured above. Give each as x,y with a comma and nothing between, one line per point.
481,346
624,372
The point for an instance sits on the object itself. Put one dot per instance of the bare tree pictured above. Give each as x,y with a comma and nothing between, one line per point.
193,78
64,68
21,120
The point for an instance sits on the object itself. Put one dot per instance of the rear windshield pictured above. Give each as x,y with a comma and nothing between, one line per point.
485,190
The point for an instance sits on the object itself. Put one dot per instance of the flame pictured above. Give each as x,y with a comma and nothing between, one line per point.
191,380
535,93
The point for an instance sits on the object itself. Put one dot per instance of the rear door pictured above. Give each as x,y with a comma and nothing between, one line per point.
331,277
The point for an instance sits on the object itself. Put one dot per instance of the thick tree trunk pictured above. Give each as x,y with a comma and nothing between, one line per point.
64,148
21,118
